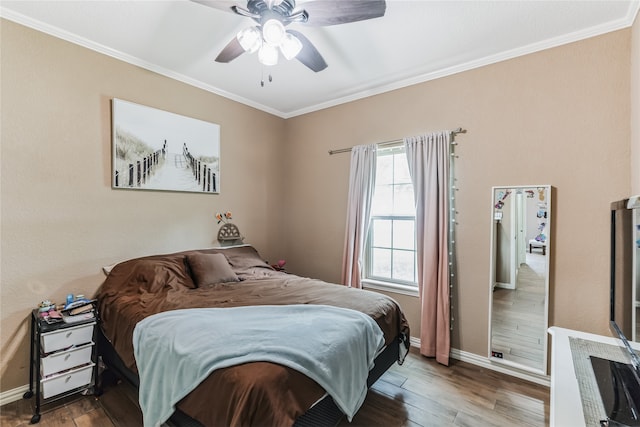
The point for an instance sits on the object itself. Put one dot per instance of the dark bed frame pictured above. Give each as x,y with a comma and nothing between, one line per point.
324,413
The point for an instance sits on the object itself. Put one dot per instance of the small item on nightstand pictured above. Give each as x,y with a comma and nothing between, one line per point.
45,306
54,314
52,317
68,318
78,303
80,309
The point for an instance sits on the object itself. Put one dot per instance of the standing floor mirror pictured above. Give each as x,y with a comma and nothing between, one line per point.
519,284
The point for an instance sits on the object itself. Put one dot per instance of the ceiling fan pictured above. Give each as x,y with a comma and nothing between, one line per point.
270,37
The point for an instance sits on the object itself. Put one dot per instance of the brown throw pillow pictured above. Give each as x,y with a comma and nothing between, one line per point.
208,269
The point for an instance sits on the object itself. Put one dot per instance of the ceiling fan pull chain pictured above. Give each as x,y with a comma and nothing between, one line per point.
262,77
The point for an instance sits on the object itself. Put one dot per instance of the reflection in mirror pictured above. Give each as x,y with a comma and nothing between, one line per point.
519,287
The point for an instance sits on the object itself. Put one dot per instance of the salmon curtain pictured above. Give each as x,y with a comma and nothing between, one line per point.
362,177
428,157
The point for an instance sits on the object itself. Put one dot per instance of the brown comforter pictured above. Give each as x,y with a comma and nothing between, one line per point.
257,393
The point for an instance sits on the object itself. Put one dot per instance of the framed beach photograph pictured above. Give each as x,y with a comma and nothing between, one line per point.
158,150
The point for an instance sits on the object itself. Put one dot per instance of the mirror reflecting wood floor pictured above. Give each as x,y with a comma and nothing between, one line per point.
518,323
419,393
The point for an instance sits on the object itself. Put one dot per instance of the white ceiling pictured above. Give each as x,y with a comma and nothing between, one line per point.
415,41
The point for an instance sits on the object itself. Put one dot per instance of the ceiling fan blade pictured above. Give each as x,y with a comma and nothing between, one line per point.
231,51
300,16
309,55
334,12
224,5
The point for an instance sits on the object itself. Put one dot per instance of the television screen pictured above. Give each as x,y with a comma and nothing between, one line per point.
619,389
622,305
618,382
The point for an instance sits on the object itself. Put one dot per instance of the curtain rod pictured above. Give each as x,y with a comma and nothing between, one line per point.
396,141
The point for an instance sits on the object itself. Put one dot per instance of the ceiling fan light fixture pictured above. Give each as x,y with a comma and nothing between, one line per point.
250,39
290,46
273,32
272,16
268,55
272,3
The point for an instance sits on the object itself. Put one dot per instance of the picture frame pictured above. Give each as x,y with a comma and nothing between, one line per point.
154,149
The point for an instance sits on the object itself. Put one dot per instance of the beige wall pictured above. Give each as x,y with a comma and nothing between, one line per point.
635,107
60,219
558,117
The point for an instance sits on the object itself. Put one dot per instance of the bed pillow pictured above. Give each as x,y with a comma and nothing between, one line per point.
152,274
207,269
245,257
107,268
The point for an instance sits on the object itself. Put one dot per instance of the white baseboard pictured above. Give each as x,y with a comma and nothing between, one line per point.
503,285
13,395
484,362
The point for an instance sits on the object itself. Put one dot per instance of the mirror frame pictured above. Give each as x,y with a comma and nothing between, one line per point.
492,277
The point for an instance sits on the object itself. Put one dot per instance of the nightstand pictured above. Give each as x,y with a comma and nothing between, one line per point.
63,359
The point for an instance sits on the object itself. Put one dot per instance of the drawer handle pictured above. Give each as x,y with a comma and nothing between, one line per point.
66,380
69,334
67,357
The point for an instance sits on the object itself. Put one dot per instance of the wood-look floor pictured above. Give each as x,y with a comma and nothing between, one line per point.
419,393
518,327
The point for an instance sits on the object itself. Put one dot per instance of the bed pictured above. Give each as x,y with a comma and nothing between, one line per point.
252,393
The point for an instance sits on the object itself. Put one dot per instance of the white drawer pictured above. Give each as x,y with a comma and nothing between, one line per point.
64,338
66,381
63,360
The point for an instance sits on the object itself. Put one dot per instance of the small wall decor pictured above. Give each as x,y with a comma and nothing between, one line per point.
159,150
225,217
229,234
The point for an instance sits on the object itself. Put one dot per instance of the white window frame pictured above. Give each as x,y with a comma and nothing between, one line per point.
372,282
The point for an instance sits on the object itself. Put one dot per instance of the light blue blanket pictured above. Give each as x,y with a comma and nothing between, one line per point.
176,350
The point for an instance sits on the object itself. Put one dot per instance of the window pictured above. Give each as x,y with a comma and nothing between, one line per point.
391,241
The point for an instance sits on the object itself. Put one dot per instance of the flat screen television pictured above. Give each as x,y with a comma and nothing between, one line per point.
622,304
619,383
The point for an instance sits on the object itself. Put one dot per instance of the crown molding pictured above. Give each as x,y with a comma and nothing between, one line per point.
488,60
130,59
